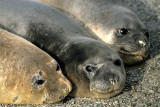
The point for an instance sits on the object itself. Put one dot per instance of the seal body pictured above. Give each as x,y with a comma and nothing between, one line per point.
111,22
94,69
28,75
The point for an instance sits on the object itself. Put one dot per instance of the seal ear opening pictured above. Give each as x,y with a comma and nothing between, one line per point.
146,33
117,63
36,81
40,82
58,67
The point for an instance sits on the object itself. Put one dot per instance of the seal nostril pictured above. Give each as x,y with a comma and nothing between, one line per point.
65,90
142,42
113,81
116,80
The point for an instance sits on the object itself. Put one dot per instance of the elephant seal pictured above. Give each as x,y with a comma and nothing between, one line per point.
94,69
28,75
112,23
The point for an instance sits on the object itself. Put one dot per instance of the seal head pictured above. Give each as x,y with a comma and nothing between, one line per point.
28,75
92,75
127,35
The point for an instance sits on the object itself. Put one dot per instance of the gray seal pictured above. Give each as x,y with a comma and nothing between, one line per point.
94,69
111,22
29,75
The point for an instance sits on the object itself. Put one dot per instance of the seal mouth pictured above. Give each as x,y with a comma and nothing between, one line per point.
133,51
129,54
130,59
110,91
136,54
102,89
107,94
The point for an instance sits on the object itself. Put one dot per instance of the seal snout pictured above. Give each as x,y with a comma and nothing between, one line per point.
113,81
135,49
105,87
107,82
141,42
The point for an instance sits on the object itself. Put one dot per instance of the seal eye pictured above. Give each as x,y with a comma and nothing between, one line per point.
89,68
117,62
122,31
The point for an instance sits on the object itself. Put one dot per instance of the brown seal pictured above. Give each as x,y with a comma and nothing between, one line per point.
28,75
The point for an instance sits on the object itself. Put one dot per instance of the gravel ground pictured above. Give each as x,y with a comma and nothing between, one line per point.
143,81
